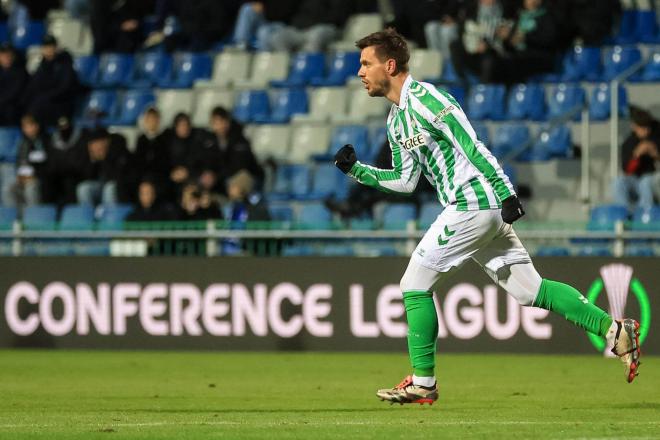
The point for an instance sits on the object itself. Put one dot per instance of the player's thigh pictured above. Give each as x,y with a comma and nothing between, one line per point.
418,277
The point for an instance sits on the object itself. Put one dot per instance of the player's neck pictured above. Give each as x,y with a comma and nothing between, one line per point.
396,84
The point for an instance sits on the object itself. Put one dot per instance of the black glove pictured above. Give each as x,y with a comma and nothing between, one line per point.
512,209
345,158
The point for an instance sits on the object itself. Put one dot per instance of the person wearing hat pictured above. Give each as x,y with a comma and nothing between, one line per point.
640,154
13,78
53,88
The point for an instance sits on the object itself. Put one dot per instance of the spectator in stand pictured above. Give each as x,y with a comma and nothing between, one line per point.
99,166
66,136
591,21
229,153
197,204
117,24
315,24
258,20
430,23
640,154
65,141
32,162
150,208
52,91
151,157
441,29
13,78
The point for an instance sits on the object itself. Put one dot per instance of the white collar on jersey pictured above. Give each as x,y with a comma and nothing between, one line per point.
403,99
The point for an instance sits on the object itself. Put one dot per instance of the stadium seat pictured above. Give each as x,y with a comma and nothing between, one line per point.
327,181
357,26
99,104
271,141
4,34
651,71
308,140
266,67
7,217
87,68
604,217
314,215
186,68
428,213
552,251
337,250
627,23
251,105
599,104
618,59
582,63
511,173
551,143
486,101
426,64
639,251
594,251
449,74
171,102
646,220
363,107
206,99
526,101
300,177
397,215
304,67
376,140
509,137
77,218
564,99
280,211
115,69
326,102
40,217
9,139
26,34
150,68
131,105
286,103
482,132
357,135
343,66
646,26
228,66
71,34
112,217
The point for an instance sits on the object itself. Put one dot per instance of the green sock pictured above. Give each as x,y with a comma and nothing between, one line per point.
422,331
572,305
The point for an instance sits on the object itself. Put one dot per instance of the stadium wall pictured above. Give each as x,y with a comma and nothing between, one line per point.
318,304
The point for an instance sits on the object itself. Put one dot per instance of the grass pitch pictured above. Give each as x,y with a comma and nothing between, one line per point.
157,395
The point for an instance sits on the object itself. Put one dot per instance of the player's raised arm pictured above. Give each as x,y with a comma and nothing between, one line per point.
402,178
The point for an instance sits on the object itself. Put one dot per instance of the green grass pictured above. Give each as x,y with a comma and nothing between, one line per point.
157,395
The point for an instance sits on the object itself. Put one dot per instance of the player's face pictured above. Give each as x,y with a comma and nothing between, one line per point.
373,72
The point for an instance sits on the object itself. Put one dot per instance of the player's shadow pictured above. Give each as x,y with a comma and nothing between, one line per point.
252,411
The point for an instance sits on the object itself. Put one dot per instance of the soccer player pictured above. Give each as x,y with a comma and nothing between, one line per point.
429,134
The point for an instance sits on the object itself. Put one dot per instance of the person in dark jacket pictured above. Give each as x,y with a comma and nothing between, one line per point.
32,162
150,208
640,154
52,90
13,78
255,20
99,166
198,204
117,24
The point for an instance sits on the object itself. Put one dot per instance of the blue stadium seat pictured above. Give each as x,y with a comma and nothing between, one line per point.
357,135
40,217
291,181
4,32
646,26
99,102
552,143
639,251
511,173
376,140
449,74
428,213
328,181
298,250
594,251
27,34
114,69
526,101
7,216
337,250
280,211
304,67
482,132
251,105
603,217
599,104
564,99
552,251
314,215
87,68
343,66
187,67
509,137
646,220
397,215
9,140
458,92
582,63
486,101
627,23
286,103
77,218
620,58
150,68
651,71
112,217
131,105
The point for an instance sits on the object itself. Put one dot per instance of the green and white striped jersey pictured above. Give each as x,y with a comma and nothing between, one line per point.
429,133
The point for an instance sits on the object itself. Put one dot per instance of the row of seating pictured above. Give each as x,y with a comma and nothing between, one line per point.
72,217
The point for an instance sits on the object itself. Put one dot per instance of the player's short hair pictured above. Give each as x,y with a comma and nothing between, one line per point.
388,44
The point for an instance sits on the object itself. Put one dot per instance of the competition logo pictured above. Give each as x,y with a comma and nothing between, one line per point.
618,281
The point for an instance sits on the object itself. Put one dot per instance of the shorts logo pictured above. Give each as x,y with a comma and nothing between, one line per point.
444,112
413,142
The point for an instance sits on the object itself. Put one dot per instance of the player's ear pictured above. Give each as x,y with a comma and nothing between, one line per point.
390,66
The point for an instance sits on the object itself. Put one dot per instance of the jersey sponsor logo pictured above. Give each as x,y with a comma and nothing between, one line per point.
413,142
444,112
